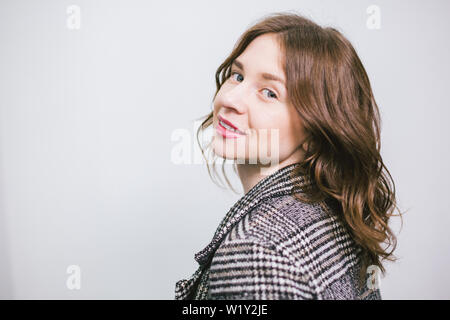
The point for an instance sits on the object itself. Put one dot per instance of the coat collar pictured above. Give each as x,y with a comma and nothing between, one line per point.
282,182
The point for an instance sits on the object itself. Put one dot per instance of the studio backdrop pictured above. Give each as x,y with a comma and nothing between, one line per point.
103,191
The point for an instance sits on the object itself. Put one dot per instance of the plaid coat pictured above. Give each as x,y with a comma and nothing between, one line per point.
272,246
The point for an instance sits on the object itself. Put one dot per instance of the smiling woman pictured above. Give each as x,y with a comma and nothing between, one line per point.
254,101
311,226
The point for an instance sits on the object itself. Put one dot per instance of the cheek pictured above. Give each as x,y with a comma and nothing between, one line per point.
216,106
216,109
218,100
290,135
258,119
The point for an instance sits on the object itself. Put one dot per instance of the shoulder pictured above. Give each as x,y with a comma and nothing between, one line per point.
290,225
299,249
248,264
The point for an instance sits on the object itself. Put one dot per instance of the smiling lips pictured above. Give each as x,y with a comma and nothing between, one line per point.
227,129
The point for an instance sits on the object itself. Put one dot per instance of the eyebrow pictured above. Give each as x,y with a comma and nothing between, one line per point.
264,75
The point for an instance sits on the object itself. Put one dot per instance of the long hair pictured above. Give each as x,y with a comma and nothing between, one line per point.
328,85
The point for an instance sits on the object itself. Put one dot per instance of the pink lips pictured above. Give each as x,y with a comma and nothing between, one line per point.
225,132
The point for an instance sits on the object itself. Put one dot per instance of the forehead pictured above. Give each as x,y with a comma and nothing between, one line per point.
263,54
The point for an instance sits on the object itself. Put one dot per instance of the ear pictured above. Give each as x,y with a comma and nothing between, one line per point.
304,146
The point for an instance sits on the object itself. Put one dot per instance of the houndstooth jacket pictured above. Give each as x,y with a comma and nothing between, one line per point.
272,246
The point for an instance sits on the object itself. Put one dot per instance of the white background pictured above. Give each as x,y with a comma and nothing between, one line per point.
86,119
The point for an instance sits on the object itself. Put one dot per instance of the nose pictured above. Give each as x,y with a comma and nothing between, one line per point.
236,98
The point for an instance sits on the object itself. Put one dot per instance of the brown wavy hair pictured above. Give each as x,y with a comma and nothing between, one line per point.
329,87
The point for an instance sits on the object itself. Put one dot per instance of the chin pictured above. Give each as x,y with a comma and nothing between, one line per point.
218,150
225,155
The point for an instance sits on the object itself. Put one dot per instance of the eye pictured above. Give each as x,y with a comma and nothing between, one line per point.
271,93
233,73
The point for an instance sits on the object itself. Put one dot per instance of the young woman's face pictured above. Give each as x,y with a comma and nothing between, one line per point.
268,126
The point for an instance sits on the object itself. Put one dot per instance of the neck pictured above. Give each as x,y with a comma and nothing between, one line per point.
251,174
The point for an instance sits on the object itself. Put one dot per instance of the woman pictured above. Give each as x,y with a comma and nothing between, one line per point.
316,209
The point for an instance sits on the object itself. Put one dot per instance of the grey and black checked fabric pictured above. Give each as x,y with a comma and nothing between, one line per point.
272,246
